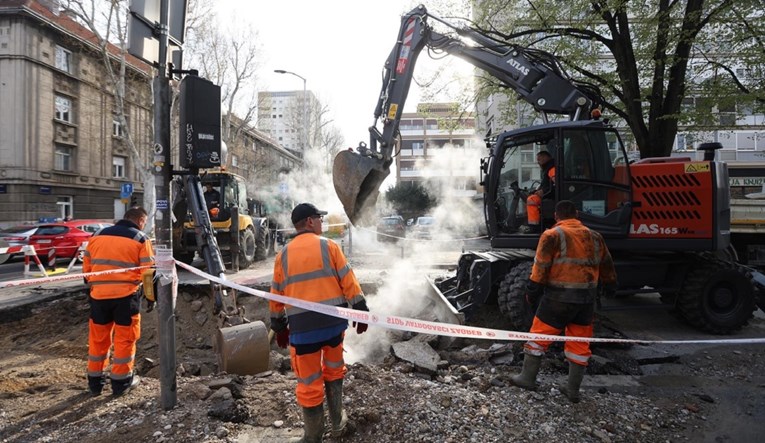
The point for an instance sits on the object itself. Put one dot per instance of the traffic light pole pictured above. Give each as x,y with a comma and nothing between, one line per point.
162,220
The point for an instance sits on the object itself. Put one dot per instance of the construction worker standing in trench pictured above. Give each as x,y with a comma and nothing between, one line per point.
115,299
571,262
546,190
313,268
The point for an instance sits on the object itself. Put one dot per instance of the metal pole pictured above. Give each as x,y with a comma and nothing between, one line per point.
233,233
305,117
162,225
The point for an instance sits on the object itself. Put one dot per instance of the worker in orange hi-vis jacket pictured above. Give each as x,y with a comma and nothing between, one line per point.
546,190
115,300
571,263
313,268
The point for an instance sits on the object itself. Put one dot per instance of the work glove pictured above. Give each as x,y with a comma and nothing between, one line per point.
360,327
149,289
283,338
279,326
533,293
609,290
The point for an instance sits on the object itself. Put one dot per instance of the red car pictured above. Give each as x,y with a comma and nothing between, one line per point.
65,236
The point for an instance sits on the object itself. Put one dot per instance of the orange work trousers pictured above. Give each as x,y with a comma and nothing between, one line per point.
533,209
124,339
552,318
114,322
313,369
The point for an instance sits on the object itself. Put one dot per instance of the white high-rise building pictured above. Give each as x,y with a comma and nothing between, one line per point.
286,116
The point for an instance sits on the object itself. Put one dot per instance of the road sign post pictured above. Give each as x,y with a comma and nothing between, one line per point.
155,16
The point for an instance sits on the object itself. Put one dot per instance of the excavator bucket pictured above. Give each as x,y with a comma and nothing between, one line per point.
243,349
357,181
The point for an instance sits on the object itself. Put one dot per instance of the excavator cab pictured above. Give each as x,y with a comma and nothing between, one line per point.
590,169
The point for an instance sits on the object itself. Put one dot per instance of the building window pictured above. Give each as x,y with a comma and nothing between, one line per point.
63,59
234,161
117,129
746,141
118,167
63,109
63,159
65,207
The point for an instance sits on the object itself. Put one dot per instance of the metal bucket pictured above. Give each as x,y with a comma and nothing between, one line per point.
243,349
357,181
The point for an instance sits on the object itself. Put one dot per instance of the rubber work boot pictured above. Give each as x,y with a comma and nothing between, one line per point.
341,426
121,387
313,431
575,376
527,379
96,384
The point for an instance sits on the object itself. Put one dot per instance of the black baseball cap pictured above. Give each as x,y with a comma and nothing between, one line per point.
305,210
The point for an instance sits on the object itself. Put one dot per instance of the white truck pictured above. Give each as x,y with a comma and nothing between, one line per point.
747,206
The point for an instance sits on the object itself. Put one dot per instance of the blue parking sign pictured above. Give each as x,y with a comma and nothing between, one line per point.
127,190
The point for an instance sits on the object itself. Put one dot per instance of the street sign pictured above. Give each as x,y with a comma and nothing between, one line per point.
143,30
746,181
127,190
150,11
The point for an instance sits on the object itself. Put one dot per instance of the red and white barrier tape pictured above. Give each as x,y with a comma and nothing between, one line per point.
435,328
60,278
388,321
11,249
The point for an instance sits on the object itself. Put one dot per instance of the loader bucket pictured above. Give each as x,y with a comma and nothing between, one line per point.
357,181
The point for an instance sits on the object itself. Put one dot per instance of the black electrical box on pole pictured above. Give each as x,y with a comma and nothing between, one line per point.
200,125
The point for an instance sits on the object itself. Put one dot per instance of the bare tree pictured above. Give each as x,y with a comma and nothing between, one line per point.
230,59
108,22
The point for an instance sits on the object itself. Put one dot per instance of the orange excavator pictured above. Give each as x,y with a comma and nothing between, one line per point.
666,220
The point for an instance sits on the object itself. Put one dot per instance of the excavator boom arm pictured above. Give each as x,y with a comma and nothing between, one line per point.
533,74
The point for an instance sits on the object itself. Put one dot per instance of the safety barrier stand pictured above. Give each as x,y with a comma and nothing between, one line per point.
29,251
80,250
11,250
51,260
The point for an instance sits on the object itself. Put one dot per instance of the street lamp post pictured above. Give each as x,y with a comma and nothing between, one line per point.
305,106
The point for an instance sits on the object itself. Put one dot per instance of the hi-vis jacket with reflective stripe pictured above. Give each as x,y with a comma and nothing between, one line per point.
570,261
313,268
117,247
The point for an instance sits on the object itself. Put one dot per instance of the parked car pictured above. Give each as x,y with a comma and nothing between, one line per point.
15,236
423,227
65,236
391,228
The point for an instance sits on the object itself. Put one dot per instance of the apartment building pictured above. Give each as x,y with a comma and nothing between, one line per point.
63,152
286,117
436,144
258,158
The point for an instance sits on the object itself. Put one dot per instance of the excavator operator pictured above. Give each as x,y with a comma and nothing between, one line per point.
546,190
212,196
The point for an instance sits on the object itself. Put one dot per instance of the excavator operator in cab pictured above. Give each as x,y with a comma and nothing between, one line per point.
546,190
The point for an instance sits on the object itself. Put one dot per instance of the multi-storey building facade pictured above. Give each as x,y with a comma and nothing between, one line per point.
258,158
424,136
62,150
286,117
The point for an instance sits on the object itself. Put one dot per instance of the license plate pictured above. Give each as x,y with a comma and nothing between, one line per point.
43,241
